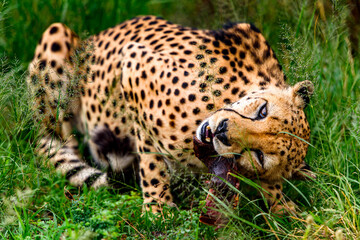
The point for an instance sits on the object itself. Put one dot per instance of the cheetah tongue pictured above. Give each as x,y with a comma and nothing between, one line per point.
220,167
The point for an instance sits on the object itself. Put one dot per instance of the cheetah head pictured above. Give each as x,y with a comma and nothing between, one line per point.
263,135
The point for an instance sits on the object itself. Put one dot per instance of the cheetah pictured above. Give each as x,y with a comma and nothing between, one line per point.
165,96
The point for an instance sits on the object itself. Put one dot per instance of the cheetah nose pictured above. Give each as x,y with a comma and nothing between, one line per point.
221,131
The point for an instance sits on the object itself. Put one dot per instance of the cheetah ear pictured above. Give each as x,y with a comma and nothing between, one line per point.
303,172
302,92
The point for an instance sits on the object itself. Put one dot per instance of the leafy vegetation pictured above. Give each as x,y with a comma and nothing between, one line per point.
311,41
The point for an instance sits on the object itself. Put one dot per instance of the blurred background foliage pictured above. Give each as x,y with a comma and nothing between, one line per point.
23,21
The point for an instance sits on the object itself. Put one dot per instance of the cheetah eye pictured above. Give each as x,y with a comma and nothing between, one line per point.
262,112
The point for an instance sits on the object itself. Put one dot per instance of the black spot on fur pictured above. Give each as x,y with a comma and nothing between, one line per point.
54,30
55,47
107,142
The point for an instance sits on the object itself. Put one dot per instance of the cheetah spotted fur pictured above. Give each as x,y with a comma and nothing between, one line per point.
141,90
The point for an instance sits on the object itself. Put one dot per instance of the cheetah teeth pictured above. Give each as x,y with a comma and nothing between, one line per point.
208,130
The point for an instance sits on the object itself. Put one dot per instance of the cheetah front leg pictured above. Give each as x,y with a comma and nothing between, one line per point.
138,86
273,193
154,177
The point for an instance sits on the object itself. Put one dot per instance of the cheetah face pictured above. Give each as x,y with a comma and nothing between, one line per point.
264,135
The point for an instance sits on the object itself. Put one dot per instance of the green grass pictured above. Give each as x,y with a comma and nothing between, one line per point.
35,203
